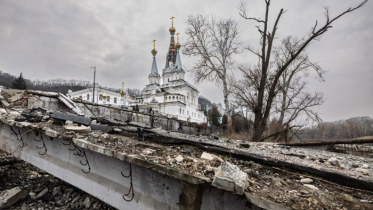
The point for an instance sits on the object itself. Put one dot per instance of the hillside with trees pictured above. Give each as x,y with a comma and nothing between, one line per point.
57,85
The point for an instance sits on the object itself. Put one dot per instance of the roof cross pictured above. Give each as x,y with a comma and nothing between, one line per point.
172,19
177,34
154,43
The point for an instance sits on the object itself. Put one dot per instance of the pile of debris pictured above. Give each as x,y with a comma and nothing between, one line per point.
280,175
24,186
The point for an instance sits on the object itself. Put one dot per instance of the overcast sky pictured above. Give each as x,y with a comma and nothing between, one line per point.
62,39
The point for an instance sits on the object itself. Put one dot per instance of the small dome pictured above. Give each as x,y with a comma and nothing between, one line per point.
172,30
122,93
154,52
178,45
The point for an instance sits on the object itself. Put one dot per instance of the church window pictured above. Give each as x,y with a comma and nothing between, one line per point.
180,111
87,96
183,111
115,100
80,97
188,113
100,98
173,97
108,98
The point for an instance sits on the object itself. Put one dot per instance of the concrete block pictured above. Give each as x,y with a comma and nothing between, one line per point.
228,171
12,196
16,97
223,183
71,117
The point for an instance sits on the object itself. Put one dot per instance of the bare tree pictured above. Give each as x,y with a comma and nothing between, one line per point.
268,75
213,43
293,99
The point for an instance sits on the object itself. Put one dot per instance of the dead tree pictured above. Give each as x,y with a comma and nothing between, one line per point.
293,100
268,76
213,43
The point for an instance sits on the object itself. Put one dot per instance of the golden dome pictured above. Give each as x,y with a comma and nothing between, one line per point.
172,30
154,52
178,45
122,93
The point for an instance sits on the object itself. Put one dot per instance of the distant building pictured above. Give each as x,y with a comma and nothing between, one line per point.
101,97
170,94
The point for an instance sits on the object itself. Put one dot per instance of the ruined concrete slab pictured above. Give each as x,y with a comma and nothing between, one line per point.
69,103
71,117
103,128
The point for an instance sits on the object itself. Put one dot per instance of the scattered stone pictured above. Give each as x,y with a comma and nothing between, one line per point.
348,198
41,194
56,191
215,137
81,129
32,195
118,130
87,202
12,196
366,166
306,181
333,161
208,156
313,187
69,122
230,177
51,133
179,158
363,171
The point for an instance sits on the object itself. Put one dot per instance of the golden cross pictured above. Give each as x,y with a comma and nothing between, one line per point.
154,43
122,86
172,19
177,34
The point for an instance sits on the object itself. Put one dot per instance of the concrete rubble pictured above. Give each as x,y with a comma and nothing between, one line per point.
268,175
229,177
12,196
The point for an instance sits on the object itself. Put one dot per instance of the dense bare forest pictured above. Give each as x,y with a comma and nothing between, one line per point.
59,85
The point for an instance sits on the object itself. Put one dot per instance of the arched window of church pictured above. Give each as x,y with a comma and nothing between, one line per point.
173,97
108,98
87,97
115,100
100,97
180,111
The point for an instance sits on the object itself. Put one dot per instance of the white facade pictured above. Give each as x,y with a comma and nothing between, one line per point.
170,94
112,98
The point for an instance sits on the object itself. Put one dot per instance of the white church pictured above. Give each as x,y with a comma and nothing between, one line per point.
170,94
